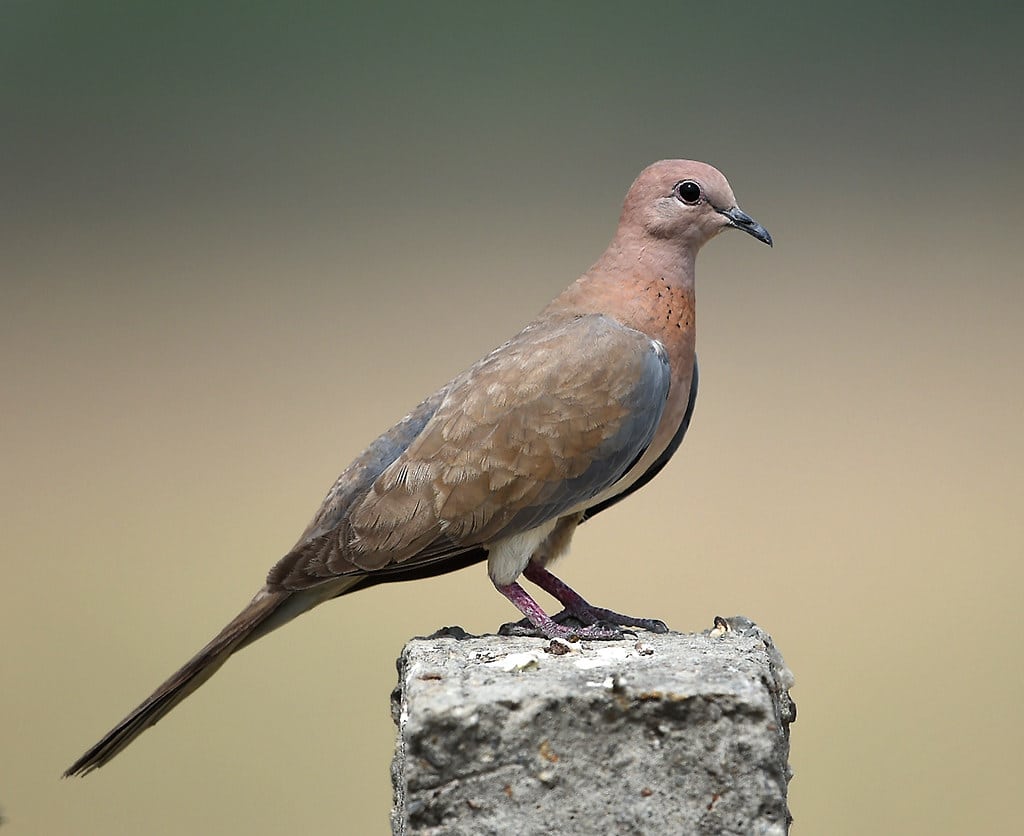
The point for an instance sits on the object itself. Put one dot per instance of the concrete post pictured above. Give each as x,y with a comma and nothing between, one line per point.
660,734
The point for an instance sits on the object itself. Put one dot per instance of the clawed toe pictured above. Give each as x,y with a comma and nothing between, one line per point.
654,625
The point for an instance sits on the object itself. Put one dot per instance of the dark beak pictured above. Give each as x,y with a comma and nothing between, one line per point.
741,220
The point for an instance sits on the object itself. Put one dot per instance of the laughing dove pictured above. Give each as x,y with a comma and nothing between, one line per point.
582,407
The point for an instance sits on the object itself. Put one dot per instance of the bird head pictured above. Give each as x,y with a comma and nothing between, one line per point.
686,201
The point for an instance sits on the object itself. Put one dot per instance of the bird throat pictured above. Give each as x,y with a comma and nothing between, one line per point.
651,292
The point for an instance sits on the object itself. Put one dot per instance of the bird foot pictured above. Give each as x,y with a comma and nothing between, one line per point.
566,626
539,624
578,608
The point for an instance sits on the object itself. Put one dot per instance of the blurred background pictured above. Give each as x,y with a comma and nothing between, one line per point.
241,239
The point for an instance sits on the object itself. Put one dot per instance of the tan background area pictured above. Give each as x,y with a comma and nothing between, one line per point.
236,245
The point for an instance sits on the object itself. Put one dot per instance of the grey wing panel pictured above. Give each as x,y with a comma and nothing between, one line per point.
617,455
356,480
662,460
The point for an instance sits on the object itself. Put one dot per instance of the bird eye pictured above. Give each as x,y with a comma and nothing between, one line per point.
689,191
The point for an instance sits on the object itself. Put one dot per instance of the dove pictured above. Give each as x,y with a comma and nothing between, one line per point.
581,408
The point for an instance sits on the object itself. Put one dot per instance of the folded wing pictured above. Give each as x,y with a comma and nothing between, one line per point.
534,430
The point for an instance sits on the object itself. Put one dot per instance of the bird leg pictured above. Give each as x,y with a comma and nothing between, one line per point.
576,606
539,623
579,619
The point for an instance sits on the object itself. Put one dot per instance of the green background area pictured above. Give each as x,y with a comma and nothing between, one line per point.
238,242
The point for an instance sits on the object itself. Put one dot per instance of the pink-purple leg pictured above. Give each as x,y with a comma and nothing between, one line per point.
544,624
576,606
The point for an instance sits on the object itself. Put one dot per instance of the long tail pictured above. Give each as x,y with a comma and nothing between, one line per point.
254,621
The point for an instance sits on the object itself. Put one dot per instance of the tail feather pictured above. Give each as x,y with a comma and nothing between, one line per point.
244,628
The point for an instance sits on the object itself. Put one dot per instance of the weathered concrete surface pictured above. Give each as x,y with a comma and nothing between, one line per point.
675,733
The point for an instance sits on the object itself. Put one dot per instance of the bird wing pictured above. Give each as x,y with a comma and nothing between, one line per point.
535,429
424,568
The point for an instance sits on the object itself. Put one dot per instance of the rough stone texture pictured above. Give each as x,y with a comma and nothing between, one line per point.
675,733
